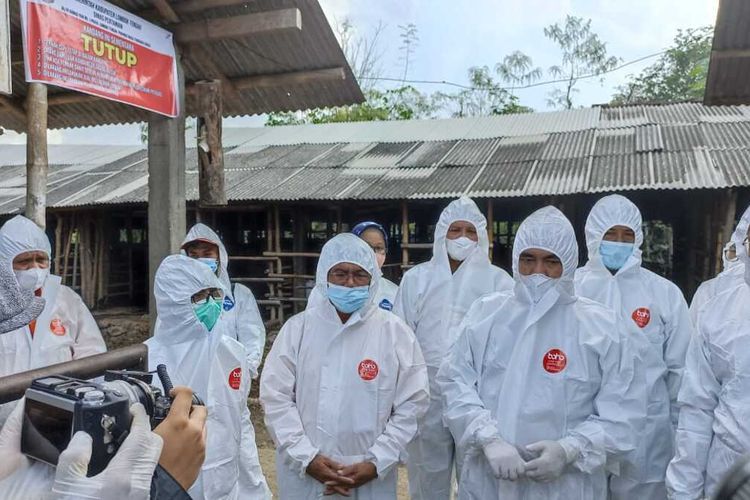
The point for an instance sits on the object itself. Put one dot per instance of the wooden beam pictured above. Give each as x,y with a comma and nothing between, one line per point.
14,107
211,70
165,11
290,79
36,154
208,30
210,152
193,6
404,233
730,54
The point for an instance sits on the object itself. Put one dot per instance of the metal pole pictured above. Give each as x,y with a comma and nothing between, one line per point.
134,357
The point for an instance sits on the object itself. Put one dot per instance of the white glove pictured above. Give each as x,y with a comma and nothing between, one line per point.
128,475
10,444
504,460
553,458
20,477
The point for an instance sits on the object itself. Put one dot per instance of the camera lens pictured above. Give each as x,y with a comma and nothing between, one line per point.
136,390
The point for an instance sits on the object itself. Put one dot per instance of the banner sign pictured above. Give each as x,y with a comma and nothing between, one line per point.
6,78
94,47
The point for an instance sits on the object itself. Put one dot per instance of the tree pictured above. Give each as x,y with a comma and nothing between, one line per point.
516,70
679,74
364,56
409,41
583,53
485,97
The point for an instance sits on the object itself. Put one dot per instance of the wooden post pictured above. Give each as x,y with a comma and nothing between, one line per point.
404,233
210,152
491,226
726,220
36,153
166,186
58,243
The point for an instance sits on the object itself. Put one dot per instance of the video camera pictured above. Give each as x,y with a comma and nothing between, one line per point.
59,406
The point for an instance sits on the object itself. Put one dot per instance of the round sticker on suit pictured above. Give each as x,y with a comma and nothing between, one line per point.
642,317
235,378
367,370
57,328
554,361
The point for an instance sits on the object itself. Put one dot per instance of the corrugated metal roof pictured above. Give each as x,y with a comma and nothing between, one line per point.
616,141
648,138
712,151
311,48
728,80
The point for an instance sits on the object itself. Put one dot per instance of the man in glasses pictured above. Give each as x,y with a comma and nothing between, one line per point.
190,340
343,385
376,236
433,299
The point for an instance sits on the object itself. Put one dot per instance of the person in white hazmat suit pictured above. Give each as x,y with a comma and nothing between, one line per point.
376,236
540,390
714,428
433,298
343,385
654,314
242,321
190,340
65,330
732,275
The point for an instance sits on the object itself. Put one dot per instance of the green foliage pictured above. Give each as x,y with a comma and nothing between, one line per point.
403,103
583,53
485,97
679,74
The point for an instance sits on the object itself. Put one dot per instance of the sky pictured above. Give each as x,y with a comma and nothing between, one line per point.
457,34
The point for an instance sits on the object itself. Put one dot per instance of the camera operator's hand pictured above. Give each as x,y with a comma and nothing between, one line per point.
184,435
10,444
128,475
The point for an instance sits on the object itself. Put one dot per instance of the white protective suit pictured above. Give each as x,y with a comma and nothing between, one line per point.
555,369
352,392
242,321
64,331
433,303
654,314
214,365
732,275
714,428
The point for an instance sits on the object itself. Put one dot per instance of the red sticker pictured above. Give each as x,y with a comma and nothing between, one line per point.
235,378
368,369
554,361
642,317
56,327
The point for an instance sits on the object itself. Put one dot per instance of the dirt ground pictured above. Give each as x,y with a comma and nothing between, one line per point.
122,327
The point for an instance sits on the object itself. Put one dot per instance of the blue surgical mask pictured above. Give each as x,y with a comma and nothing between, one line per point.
615,254
208,312
348,300
212,263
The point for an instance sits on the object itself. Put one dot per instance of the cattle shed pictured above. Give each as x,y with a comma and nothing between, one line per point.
291,188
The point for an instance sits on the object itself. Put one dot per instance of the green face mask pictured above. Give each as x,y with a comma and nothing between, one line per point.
208,312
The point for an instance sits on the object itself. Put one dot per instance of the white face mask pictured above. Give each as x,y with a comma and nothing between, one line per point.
460,248
537,285
32,279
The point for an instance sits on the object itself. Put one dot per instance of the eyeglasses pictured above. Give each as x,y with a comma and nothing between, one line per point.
339,277
202,296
